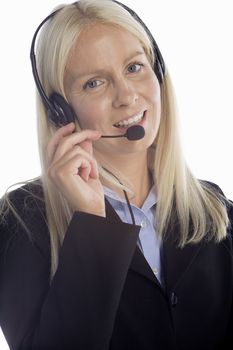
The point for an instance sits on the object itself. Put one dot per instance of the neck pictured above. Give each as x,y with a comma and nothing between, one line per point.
131,170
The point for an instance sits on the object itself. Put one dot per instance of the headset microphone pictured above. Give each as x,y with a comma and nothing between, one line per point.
133,133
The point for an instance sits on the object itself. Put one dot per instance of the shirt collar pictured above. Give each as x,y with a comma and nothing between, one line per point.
150,200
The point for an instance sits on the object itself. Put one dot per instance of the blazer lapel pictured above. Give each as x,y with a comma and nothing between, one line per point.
111,212
138,264
177,261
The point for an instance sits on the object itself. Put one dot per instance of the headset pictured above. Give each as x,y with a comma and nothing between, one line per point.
59,112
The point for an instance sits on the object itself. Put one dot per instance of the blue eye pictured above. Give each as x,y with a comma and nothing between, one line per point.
135,67
92,84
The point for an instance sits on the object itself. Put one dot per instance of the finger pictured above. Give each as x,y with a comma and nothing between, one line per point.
55,140
67,166
84,171
93,171
76,167
70,141
77,150
87,146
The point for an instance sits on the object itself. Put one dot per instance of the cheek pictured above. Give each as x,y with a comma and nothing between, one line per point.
154,92
154,98
89,115
151,91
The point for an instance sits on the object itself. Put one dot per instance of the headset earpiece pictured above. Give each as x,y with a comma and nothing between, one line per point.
60,113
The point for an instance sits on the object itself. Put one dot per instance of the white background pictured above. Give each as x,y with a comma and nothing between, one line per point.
195,38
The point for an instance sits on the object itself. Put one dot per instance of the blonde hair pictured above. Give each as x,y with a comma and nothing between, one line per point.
195,205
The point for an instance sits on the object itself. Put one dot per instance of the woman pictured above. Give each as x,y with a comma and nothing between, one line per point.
117,245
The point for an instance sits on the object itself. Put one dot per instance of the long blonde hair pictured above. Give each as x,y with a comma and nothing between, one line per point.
198,207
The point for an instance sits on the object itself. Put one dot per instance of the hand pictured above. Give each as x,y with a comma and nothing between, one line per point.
73,169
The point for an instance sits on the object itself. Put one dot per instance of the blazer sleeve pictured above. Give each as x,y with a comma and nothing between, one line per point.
78,308
229,339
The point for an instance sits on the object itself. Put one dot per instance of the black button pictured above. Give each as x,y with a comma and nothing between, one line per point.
174,299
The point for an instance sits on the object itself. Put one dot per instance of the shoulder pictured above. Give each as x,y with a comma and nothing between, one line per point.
30,191
22,201
22,214
212,186
216,189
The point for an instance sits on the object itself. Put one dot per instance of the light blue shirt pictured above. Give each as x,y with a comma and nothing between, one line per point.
149,242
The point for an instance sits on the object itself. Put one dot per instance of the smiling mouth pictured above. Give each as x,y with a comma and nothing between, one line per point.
130,121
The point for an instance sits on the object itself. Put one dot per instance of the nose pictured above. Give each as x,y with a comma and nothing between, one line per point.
125,94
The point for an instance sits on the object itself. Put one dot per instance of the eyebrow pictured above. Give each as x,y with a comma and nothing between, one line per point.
101,71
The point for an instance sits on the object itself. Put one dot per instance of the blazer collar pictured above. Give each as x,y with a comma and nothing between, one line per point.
110,212
175,261
138,264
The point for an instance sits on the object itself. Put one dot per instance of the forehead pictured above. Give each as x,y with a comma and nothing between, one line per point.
102,42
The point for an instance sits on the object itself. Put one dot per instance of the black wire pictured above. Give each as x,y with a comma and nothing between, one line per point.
130,208
126,197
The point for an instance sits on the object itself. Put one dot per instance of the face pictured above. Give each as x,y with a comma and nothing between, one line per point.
110,84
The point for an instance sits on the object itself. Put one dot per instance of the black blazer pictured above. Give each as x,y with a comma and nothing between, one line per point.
104,295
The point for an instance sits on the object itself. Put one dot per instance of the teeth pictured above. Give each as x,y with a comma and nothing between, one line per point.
130,121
